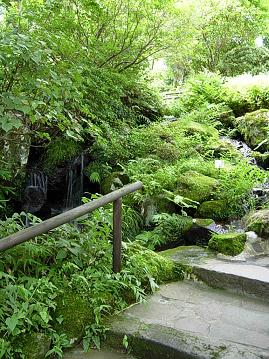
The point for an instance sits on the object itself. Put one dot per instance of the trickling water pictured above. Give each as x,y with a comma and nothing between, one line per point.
241,147
39,179
35,194
74,181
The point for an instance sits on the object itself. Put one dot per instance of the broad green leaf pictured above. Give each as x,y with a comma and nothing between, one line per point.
12,322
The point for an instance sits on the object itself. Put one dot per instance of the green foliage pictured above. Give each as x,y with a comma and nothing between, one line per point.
150,239
247,59
229,243
206,32
60,150
172,227
200,90
62,284
169,229
77,71
235,186
5,188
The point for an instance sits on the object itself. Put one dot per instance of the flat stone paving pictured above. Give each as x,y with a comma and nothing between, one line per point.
250,276
78,353
214,313
257,270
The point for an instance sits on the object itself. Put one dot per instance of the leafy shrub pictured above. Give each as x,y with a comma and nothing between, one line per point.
235,186
204,88
5,188
36,276
150,239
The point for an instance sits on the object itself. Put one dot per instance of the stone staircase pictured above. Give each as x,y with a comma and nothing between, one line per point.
185,320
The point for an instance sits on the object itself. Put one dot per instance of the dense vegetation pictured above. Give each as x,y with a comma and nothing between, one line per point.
75,79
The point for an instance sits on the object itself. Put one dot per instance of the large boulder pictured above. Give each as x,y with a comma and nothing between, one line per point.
196,186
258,222
254,127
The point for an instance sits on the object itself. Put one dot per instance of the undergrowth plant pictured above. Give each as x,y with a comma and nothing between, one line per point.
72,264
236,184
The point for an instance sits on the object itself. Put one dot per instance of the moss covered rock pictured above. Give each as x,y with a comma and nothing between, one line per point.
196,186
228,243
73,314
35,346
259,222
261,158
217,210
203,222
254,127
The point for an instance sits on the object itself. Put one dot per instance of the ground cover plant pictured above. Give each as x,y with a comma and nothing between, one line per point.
58,288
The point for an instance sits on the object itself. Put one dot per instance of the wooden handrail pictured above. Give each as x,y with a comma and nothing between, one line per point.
54,222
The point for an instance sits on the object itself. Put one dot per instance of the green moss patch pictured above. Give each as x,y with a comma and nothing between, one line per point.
74,312
35,346
217,210
203,222
196,186
228,243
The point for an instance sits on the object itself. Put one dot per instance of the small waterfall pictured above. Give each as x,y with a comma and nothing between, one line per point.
74,182
35,194
39,179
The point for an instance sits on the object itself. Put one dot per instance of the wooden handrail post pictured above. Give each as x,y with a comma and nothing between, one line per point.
117,221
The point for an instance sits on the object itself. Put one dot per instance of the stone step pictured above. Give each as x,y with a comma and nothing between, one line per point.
249,277
187,320
245,278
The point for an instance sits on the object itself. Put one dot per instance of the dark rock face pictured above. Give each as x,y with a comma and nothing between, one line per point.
197,235
34,199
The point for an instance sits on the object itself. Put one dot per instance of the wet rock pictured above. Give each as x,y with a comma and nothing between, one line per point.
262,159
34,199
169,118
199,233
